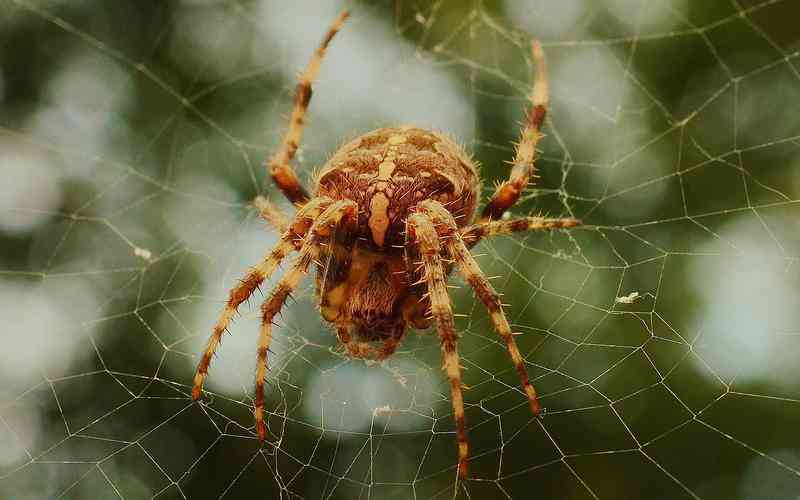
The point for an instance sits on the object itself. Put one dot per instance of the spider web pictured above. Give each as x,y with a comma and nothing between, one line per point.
662,336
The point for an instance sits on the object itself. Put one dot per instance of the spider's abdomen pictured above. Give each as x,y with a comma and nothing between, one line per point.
389,170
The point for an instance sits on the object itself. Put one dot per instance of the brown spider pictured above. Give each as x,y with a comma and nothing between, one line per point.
392,213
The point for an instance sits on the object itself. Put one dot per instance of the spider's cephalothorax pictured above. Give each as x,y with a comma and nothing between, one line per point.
363,284
393,211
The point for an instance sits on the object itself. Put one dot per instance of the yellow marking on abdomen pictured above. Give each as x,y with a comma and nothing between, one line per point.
378,221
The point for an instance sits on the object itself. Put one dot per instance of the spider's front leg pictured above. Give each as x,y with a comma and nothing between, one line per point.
280,164
271,213
472,235
257,274
336,215
421,233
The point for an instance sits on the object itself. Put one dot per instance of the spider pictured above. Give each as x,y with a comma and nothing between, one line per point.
393,212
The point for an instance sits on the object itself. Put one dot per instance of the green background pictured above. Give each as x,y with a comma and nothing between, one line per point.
662,336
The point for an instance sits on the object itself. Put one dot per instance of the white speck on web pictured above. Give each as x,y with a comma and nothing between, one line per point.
628,299
143,253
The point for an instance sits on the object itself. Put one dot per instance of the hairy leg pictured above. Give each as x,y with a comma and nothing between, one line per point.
253,280
272,214
458,251
523,168
422,233
309,252
279,165
482,230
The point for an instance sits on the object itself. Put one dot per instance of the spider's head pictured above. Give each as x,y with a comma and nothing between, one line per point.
377,336
406,310
368,293
378,328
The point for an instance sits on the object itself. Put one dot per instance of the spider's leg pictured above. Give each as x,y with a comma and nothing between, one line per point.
523,168
309,252
482,230
279,165
457,249
421,231
253,280
486,293
272,214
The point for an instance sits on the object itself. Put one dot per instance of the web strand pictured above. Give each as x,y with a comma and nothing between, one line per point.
661,335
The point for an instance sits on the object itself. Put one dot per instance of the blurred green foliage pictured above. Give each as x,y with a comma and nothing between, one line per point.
662,336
